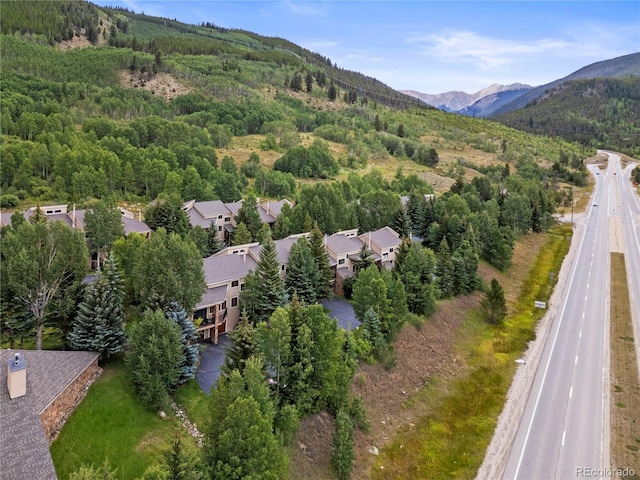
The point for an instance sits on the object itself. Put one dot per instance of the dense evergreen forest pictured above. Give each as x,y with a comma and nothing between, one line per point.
598,112
104,106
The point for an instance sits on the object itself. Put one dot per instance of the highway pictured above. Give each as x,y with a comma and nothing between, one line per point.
564,427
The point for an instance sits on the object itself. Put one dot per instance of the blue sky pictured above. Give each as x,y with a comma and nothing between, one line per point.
432,46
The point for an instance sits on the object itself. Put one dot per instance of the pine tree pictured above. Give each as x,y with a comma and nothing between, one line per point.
241,235
401,223
272,292
99,324
371,329
494,306
180,462
444,270
242,347
189,336
249,215
342,442
320,256
332,92
303,275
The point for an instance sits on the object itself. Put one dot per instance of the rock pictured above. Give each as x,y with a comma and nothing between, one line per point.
162,414
373,450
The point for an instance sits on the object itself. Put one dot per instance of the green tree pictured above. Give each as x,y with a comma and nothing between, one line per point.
249,215
416,270
444,270
242,347
99,323
91,472
303,275
272,293
189,337
342,455
401,223
181,462
370,291
371,330
309,82
167,214
241,235
154,357
169,269
332,92
274,343
103,226
39,260
493,305
321,258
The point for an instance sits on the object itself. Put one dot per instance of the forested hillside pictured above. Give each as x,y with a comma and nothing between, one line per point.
104,108
598,112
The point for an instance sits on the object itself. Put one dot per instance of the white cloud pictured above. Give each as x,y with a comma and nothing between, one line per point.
307,9
314,45
460,46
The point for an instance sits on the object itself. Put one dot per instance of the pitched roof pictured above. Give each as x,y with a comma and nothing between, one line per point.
283,249
224,268
24,450
384,237
339,243
131,225
212,296
211,208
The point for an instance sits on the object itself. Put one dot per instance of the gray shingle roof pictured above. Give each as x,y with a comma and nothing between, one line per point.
211,208
24,451
224,268
212,296
342,244
384,237
132,225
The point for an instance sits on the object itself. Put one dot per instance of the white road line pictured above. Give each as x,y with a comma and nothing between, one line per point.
576,360
563,434
553,345
571,392
580,336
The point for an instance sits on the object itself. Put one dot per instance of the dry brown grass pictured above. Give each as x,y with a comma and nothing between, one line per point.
161,85
625,385
424,355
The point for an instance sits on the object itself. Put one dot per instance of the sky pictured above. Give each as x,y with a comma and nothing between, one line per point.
431,46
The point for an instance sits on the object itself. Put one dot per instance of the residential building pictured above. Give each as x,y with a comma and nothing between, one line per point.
40,389
218,311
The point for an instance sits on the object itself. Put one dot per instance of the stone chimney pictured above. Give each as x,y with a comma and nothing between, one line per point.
17,376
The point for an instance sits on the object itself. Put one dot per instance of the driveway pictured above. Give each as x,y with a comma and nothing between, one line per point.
211,360
342,311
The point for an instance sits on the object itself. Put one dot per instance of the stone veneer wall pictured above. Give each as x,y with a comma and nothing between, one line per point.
57,412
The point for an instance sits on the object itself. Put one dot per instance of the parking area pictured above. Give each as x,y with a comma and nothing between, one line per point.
342,311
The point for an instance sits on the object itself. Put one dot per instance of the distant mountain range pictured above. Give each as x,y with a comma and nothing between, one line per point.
499,99
457,101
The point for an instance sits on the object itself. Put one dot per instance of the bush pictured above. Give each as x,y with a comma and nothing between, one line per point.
9,201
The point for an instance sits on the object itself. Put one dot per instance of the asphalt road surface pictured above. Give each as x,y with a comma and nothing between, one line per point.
564,429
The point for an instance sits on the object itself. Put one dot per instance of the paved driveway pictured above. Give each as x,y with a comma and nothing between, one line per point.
342,311
211,359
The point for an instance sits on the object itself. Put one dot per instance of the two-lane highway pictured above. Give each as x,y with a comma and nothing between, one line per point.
564,425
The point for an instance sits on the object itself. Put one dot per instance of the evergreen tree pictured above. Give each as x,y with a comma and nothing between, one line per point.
401,223
332,92
180,462
397,295
274,344
309,82
241,235
189,336
494,306
370,291
342,455
444,270
242,347
416,270
321,258
154,357
303,275
371,329
272,291
364,260
99,324
249,215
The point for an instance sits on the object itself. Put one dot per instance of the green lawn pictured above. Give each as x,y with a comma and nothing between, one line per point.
194,401
112,424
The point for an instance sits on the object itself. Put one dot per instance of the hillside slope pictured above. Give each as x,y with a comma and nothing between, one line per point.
619,67
455,101
600,112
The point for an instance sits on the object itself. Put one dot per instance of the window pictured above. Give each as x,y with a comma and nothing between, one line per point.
234,302
341,261
282,267
385,255
391,250
241,286
234,283
219,216
227,219
219,228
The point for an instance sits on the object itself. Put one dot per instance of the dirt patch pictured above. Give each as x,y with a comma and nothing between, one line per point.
162,84
424,355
